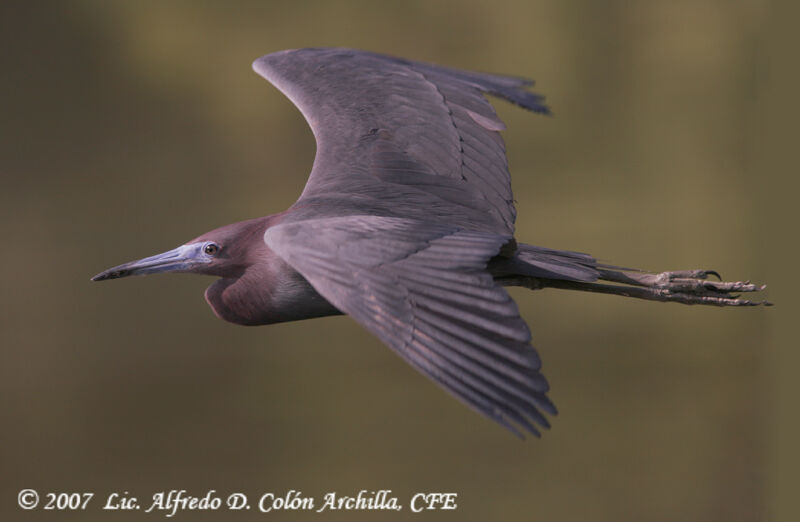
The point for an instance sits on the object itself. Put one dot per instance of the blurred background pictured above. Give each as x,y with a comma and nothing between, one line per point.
130,127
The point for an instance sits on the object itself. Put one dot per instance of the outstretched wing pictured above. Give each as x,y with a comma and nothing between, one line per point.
423,290
402,138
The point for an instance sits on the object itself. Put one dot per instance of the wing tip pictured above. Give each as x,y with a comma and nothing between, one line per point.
525,99
511,88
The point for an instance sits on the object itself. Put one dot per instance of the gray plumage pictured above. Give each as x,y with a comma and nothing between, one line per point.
399,138
406,224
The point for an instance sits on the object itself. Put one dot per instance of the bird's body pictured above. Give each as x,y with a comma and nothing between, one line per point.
407,225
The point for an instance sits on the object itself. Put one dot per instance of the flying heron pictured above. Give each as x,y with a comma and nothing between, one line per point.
406,224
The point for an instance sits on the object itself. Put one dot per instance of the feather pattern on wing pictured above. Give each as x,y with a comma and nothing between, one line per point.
402,138
423,289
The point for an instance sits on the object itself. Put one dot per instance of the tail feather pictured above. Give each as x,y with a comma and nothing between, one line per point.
547,263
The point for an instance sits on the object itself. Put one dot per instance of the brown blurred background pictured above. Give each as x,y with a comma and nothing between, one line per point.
128,128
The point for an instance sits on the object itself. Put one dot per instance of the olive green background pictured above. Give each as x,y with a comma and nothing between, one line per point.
128,128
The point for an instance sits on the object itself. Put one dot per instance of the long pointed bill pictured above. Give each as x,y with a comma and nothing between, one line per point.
181,259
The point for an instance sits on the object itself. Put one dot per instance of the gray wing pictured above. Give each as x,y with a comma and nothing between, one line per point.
402,138
424,291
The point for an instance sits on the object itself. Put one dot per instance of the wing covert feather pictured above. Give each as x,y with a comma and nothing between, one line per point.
424,291
385,124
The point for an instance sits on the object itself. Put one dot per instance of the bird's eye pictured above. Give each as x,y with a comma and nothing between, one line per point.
211,249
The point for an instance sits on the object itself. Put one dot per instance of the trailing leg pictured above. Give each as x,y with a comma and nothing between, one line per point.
683,286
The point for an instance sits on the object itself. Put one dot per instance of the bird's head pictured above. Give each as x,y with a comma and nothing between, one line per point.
224,252
256,287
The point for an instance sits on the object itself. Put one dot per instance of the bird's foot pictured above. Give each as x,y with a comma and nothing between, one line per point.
680,286
695,287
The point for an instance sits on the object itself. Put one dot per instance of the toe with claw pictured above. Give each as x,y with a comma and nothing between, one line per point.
694,287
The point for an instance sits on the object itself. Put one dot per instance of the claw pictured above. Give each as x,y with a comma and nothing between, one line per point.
682,286
692,287
696,290
690,274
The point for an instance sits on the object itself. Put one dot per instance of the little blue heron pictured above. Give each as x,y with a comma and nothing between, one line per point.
406,224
